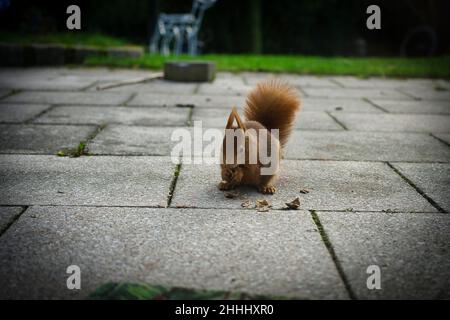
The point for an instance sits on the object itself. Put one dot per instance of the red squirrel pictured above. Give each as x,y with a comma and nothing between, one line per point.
271,105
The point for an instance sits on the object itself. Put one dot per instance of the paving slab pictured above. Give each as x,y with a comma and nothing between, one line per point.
123,115
96,181
135,140
7,216
41,139
411,250
353,82
423,106
366,146
226,89
90,98
356,93
395,122
277,254
437,93
37,83
295,80
4,92
432,178
444,137
156,86
338,105
334,185
197,101
217,118
10,112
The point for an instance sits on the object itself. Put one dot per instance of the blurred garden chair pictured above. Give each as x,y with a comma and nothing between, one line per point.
178,28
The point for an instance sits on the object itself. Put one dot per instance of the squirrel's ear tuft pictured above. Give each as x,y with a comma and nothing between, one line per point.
234,115
240,124
230,120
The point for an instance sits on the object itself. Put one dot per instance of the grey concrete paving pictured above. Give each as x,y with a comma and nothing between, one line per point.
432,178
96,181
395,122
373,153
133,140
7,216
444,137
356,93
123,115
366,146
197,101
221,249
422,107
334,185
157,86
341,105
411,250
90,98
4,92
436,93
20,112
217,118
41,139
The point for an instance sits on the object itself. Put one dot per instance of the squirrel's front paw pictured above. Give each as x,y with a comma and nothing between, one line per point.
225,185
267,189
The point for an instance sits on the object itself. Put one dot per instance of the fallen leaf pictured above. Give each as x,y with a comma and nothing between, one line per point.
262,203
231,195
246,204
293,205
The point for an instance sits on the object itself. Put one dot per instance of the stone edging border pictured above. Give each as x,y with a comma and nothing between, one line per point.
57,54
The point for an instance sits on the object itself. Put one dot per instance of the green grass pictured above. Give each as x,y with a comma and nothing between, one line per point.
362,67
68,39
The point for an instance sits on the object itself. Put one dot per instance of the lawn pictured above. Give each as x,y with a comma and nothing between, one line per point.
362,67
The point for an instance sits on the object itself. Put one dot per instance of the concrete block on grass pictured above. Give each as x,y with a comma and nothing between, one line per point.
189,71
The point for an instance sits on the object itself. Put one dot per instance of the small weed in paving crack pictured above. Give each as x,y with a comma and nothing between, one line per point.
75,152
173,184
81,149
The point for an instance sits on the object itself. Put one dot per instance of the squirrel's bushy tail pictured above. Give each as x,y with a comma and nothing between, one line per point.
274,104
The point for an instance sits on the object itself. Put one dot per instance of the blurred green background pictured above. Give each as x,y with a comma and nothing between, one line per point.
309,27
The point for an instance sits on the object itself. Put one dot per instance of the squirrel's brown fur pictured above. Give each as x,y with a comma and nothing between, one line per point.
271,105
274,104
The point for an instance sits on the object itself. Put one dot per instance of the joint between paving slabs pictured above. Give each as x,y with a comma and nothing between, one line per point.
375,105
81,148
11,93
337,121
92,85
173,183
131,97
196,89
332,253
190,116
440,140
2,231
337,83
408,95
43,112
431,201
